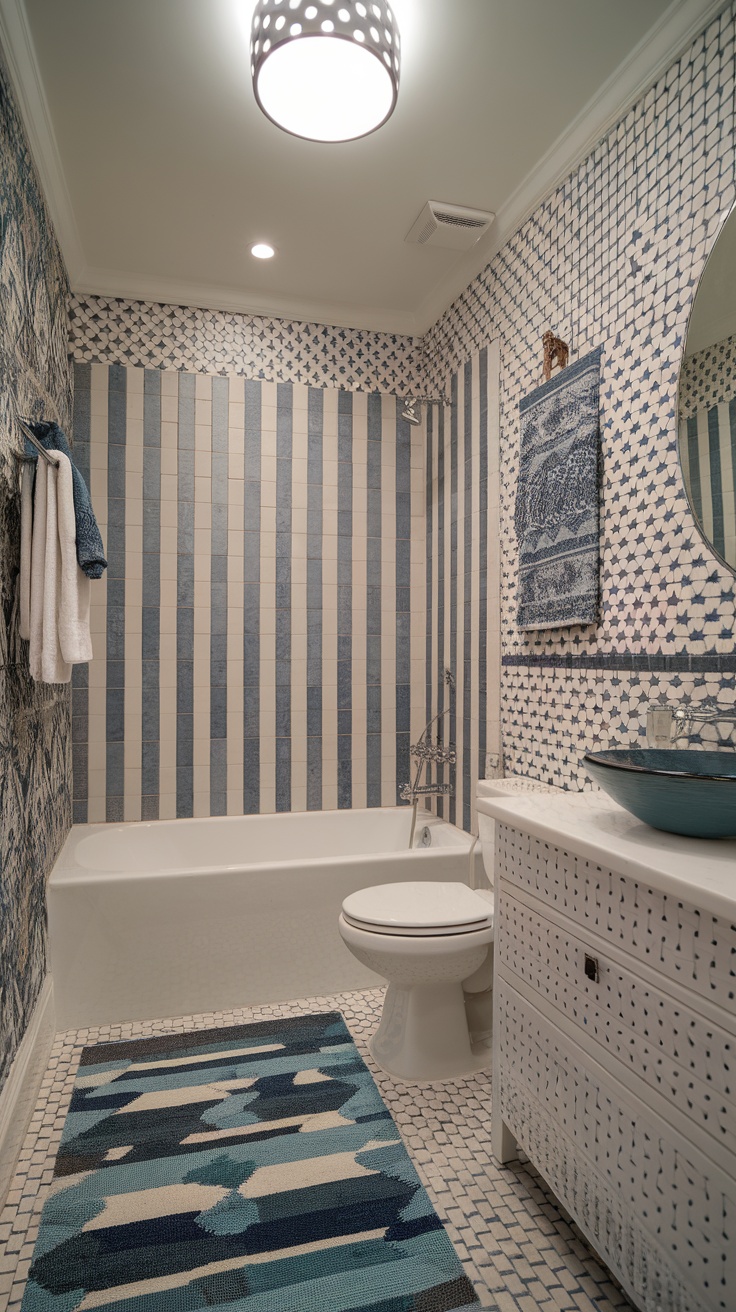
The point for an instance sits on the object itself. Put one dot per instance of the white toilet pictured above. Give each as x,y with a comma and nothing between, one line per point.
425,939
434,944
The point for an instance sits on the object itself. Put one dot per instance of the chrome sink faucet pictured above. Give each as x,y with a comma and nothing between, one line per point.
665,723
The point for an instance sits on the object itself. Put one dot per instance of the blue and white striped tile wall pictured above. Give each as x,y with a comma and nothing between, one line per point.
255,641
708,458
462,576
612,259
708,441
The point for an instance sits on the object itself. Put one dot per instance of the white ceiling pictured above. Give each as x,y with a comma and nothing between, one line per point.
160,169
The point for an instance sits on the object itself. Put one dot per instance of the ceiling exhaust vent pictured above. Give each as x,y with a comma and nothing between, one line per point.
455,227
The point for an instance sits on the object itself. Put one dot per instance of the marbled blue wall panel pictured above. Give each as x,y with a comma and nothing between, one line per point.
35,737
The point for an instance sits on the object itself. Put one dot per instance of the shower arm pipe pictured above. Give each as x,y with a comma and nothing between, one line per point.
422,764
412,830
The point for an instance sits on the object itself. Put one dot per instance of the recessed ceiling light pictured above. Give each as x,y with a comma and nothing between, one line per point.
262,250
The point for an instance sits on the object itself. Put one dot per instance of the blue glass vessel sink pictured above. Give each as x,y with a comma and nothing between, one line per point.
680,791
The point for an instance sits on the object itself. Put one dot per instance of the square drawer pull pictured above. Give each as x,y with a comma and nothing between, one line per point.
591,968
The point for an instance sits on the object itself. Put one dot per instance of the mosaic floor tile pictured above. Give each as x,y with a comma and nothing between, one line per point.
516,1244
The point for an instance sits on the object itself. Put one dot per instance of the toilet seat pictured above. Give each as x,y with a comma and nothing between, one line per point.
420,909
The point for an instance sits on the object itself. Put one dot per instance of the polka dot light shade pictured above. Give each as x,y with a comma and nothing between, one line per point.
326,70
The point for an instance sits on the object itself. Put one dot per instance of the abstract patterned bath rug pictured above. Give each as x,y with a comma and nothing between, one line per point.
248,1169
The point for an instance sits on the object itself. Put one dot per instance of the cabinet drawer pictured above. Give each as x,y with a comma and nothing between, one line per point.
673,937
688,1060
662,1215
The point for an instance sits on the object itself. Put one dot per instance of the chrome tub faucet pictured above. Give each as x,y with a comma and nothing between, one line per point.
428,751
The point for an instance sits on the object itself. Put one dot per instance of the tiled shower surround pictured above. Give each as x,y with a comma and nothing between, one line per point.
256,643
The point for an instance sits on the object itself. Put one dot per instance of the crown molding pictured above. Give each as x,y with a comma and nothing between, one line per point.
658,49
649,59
172,291
20,54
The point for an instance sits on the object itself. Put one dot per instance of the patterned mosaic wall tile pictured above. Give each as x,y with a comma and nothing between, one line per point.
708,377
35,810
105,330
613,259
580,710
256,642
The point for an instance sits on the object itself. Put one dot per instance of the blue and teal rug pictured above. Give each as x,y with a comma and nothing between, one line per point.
248,1169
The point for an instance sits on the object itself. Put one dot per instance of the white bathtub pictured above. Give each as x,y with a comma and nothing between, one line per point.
180,916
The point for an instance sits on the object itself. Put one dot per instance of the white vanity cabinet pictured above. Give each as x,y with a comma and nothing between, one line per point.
615,1038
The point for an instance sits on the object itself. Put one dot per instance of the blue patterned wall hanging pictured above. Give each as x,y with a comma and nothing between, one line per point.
557,500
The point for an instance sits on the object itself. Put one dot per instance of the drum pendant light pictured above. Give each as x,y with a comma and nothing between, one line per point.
326,70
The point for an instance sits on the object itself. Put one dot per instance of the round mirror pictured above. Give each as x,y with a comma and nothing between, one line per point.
707,404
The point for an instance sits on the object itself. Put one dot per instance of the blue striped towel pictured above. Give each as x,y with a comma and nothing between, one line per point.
90,551
557,500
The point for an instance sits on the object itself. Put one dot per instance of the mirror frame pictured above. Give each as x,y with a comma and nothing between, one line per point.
727,214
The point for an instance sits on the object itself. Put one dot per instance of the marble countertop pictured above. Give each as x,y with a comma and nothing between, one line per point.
701,871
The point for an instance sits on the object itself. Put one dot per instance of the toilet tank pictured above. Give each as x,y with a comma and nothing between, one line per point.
511,784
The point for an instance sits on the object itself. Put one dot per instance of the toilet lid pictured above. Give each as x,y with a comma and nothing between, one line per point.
419,908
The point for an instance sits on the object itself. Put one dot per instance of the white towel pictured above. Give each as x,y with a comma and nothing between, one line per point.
26,532
46,660
59,591
38,555
73,615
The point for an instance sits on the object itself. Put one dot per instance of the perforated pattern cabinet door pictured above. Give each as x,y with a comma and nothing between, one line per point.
671,1046
673,937
662,1214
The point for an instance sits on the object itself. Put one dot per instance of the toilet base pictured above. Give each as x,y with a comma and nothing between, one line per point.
423,1034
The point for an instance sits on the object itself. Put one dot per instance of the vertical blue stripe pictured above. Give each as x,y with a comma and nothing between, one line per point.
429,528
440,671
693,464
483,563
403,601
185,600
80,673
218,597
315,476
467,585
373,603
732,438
454,424
344,600
284,430
115,641
151,622
716,482
252,602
